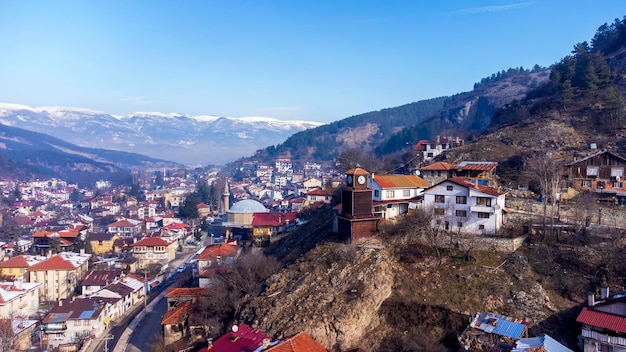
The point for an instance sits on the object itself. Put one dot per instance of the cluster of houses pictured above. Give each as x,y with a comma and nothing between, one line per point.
463,197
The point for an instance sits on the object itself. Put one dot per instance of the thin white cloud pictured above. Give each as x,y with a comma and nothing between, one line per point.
499,8
140,100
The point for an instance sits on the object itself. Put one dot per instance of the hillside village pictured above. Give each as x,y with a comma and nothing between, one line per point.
513,241
76,261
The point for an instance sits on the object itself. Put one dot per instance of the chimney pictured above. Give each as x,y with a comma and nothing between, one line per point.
49,253
18,283
82,252
604,292
60,303
591,300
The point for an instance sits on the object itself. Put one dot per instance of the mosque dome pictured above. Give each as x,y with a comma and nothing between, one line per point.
248,206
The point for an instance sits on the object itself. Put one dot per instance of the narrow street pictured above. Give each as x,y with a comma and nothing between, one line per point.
144,334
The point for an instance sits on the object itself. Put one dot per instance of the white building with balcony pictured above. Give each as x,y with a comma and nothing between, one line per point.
458,204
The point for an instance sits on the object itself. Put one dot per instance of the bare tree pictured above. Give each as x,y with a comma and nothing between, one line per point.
548,170
355,157
8,338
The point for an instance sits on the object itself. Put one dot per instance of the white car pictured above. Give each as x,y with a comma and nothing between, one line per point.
181,268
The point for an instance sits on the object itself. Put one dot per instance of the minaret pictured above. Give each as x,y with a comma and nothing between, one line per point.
226,196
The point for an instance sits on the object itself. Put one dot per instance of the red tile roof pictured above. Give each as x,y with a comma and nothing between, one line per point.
603,320
151,242
244,339
273,219
301,342
177,315
122,223
15,262
63,233
476,166
186,292
400,181
54,263
319,192
175,225
441,165
223,250
473,185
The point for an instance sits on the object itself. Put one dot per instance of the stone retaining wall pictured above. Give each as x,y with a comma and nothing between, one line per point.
479,242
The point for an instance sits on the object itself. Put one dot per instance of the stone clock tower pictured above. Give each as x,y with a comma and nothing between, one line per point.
356,219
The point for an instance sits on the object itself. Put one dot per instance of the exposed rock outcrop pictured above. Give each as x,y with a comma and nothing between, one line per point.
333,294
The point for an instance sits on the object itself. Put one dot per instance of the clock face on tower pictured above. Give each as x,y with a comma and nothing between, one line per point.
361,179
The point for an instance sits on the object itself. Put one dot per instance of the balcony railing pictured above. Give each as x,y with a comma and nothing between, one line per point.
614,340
482,209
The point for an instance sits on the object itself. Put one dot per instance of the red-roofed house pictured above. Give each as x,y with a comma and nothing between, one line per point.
604,323
481,171
153,250
427,149
178,295
320,195
241,338
217,254
17,267
43,240
174,231
125,228
458,204
270,224
301,342
59,275
394,195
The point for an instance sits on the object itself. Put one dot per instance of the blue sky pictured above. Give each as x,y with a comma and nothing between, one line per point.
293,60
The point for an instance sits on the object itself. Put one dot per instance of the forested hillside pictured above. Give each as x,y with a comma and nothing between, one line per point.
581,104
394,130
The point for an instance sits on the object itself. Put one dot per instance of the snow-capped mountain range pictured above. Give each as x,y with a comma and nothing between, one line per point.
176,137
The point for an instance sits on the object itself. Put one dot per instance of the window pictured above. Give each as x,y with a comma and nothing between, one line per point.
390,194
481,227
484,201
617,172
459,224
438,173
406,193
449,188
461,200
439,198
461,213
592,171
618,184
483,215
376,193
586,183
439,211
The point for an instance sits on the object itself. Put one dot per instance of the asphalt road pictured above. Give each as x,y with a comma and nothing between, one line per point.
145,332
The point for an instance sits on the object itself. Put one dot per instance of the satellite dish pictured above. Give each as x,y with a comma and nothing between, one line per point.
235,328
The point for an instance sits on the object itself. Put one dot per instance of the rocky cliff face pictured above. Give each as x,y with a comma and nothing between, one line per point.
334,293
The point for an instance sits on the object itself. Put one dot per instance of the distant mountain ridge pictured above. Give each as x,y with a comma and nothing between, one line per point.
25,154
177,137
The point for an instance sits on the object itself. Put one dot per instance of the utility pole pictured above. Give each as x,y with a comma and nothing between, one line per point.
106,341
145,298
